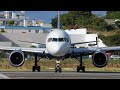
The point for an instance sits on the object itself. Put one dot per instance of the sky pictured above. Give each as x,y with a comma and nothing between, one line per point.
46,16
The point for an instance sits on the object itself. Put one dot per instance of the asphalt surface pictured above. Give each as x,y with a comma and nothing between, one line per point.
63,75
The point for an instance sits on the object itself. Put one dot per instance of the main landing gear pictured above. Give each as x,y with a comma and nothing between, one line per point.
58,68
36,67
80,67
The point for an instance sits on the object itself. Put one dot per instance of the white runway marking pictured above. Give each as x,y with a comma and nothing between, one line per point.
4,76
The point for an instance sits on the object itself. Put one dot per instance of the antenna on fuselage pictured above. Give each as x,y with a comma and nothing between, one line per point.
58,20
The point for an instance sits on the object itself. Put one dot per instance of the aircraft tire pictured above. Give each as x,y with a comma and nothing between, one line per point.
33,68
78,68
83,69
60,70
56,69
38,68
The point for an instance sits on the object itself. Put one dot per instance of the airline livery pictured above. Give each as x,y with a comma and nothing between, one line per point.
58,45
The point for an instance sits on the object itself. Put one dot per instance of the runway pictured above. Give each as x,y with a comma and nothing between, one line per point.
63,75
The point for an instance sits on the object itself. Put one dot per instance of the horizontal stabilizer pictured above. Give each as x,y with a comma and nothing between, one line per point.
86,42
30,42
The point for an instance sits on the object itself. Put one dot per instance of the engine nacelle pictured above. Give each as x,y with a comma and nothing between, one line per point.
100,59
16,58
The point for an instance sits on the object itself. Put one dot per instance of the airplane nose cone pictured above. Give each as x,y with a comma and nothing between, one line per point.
57,50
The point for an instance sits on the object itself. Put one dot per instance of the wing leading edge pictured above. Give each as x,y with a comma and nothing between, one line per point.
32,50
92,50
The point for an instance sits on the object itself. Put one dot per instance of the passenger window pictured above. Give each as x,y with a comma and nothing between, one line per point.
58,40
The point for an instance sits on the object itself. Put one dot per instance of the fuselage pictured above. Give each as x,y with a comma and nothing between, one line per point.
58,43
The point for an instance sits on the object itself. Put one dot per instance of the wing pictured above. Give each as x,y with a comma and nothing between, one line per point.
116,48
32,50
92,50
83,50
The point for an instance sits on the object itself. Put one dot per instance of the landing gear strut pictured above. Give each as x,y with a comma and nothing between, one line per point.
58,68
36,67
80,67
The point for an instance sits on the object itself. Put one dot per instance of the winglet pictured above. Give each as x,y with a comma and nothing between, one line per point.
95,43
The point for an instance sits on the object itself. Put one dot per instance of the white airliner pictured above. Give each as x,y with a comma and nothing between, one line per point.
59,46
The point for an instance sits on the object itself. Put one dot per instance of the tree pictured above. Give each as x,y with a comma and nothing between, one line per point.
112,15
117,23
77,14
115,39
111,40
10,23
81,19
54,22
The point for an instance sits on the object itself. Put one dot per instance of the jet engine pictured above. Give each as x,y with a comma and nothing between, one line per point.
16,58
100,59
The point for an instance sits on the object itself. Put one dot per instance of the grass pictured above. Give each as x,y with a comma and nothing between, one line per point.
67,65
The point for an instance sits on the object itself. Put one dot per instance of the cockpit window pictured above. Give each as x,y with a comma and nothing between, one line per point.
58,40
66,39
50,39
54,39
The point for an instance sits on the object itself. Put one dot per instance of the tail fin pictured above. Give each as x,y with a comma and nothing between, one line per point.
58,20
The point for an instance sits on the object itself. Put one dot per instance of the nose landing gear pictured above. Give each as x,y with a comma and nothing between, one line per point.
58,66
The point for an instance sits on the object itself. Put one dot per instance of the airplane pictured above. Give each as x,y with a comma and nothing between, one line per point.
59,46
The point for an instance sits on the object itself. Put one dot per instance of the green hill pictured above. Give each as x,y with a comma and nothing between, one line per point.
107,30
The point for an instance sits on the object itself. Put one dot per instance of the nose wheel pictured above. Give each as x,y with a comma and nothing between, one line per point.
58,67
